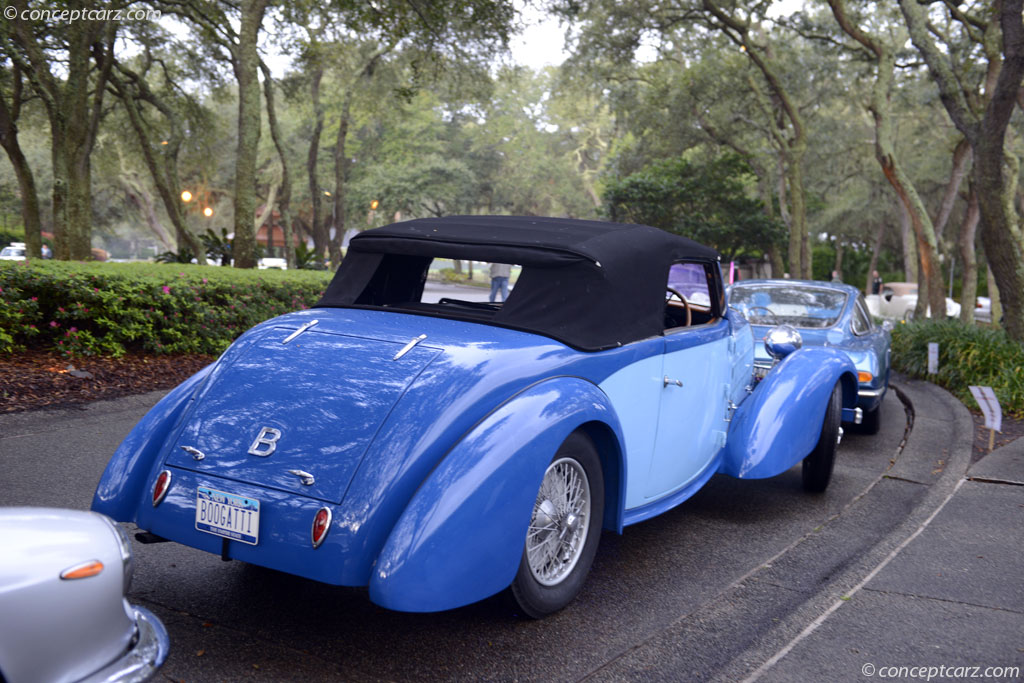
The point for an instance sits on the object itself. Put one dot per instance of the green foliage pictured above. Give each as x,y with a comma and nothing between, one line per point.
305,258
968,355
183,255
705,202
110,308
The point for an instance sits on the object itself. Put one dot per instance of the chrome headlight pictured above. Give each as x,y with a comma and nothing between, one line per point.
781,341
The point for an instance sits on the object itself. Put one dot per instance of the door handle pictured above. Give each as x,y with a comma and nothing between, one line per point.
677,382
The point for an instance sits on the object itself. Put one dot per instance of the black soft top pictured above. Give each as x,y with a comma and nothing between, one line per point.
590,284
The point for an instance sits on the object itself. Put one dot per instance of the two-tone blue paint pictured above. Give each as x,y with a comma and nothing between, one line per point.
432,475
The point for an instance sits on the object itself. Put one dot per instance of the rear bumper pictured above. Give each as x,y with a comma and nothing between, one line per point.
144,656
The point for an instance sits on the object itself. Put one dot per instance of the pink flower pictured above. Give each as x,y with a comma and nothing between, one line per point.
35,298
54,323
167,290
204,282
74,329
60,308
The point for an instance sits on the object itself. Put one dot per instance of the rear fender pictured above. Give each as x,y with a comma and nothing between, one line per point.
120,488
780,423
461,537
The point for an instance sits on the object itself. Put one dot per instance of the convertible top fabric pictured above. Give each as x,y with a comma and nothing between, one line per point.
589,284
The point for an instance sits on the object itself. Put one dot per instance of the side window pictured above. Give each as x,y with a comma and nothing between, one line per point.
861,320
688,295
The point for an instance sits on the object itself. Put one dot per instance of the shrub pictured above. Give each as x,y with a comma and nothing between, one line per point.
110,308
968,355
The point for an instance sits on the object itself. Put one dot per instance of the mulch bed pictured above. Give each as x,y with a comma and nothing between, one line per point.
37,379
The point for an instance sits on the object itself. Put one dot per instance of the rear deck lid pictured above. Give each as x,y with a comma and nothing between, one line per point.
297,416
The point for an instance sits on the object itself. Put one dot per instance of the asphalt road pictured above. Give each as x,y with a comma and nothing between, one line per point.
682,596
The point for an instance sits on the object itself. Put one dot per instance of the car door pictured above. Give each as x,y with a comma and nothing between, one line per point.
693,410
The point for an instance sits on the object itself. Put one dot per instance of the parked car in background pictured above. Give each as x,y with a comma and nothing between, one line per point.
16,251
826,314
63,614
272,263
898,300
440,452
983,309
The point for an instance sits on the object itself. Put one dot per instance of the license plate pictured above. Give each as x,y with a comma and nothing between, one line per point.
228,515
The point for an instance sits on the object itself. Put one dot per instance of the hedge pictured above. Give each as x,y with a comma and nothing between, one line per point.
968,355
81,308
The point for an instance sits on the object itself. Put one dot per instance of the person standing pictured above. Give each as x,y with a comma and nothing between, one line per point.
500,273
876,282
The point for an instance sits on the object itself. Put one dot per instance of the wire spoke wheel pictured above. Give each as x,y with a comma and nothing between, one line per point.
564,530
560,522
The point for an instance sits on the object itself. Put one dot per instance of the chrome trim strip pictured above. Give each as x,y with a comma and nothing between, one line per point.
146,652
194,452
870,393
408,347
306,478
299,331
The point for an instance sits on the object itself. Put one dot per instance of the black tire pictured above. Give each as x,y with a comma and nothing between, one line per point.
871,422
534,598
817,467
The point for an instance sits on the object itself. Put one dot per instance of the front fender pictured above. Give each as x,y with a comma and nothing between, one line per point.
779,424
461,537
118,492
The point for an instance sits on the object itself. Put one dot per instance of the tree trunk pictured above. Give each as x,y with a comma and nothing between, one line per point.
26,185
340,177
909,245
961,158
1000,234
285,199
144,203
26,180
875,251
969,293
246,60
165,179
838,265
317,228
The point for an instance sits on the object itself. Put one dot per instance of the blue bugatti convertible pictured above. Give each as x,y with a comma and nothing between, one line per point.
442,452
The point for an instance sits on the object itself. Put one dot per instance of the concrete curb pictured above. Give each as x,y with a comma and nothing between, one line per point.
939,418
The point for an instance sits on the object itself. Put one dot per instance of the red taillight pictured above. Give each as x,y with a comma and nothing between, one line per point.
163,482
321,525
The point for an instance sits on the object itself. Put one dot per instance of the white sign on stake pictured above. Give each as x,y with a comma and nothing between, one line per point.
933,358
989,404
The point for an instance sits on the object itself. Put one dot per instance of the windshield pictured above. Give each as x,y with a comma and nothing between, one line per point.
12,251
796,305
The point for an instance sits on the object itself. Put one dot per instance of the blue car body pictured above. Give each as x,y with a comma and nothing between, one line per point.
848,327
425,436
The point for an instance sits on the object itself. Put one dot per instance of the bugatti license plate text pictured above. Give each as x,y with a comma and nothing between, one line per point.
228,515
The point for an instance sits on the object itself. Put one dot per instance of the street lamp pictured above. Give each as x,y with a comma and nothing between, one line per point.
186,196
207,212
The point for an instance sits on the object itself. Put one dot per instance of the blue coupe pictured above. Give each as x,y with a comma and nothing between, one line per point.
827,314
442,452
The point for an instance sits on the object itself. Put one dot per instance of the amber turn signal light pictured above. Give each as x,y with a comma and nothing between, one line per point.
82,571
864,377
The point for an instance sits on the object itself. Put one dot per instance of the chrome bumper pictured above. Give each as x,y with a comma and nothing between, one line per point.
870,393
144,656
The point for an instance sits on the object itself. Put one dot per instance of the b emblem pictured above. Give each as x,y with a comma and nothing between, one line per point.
268,437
